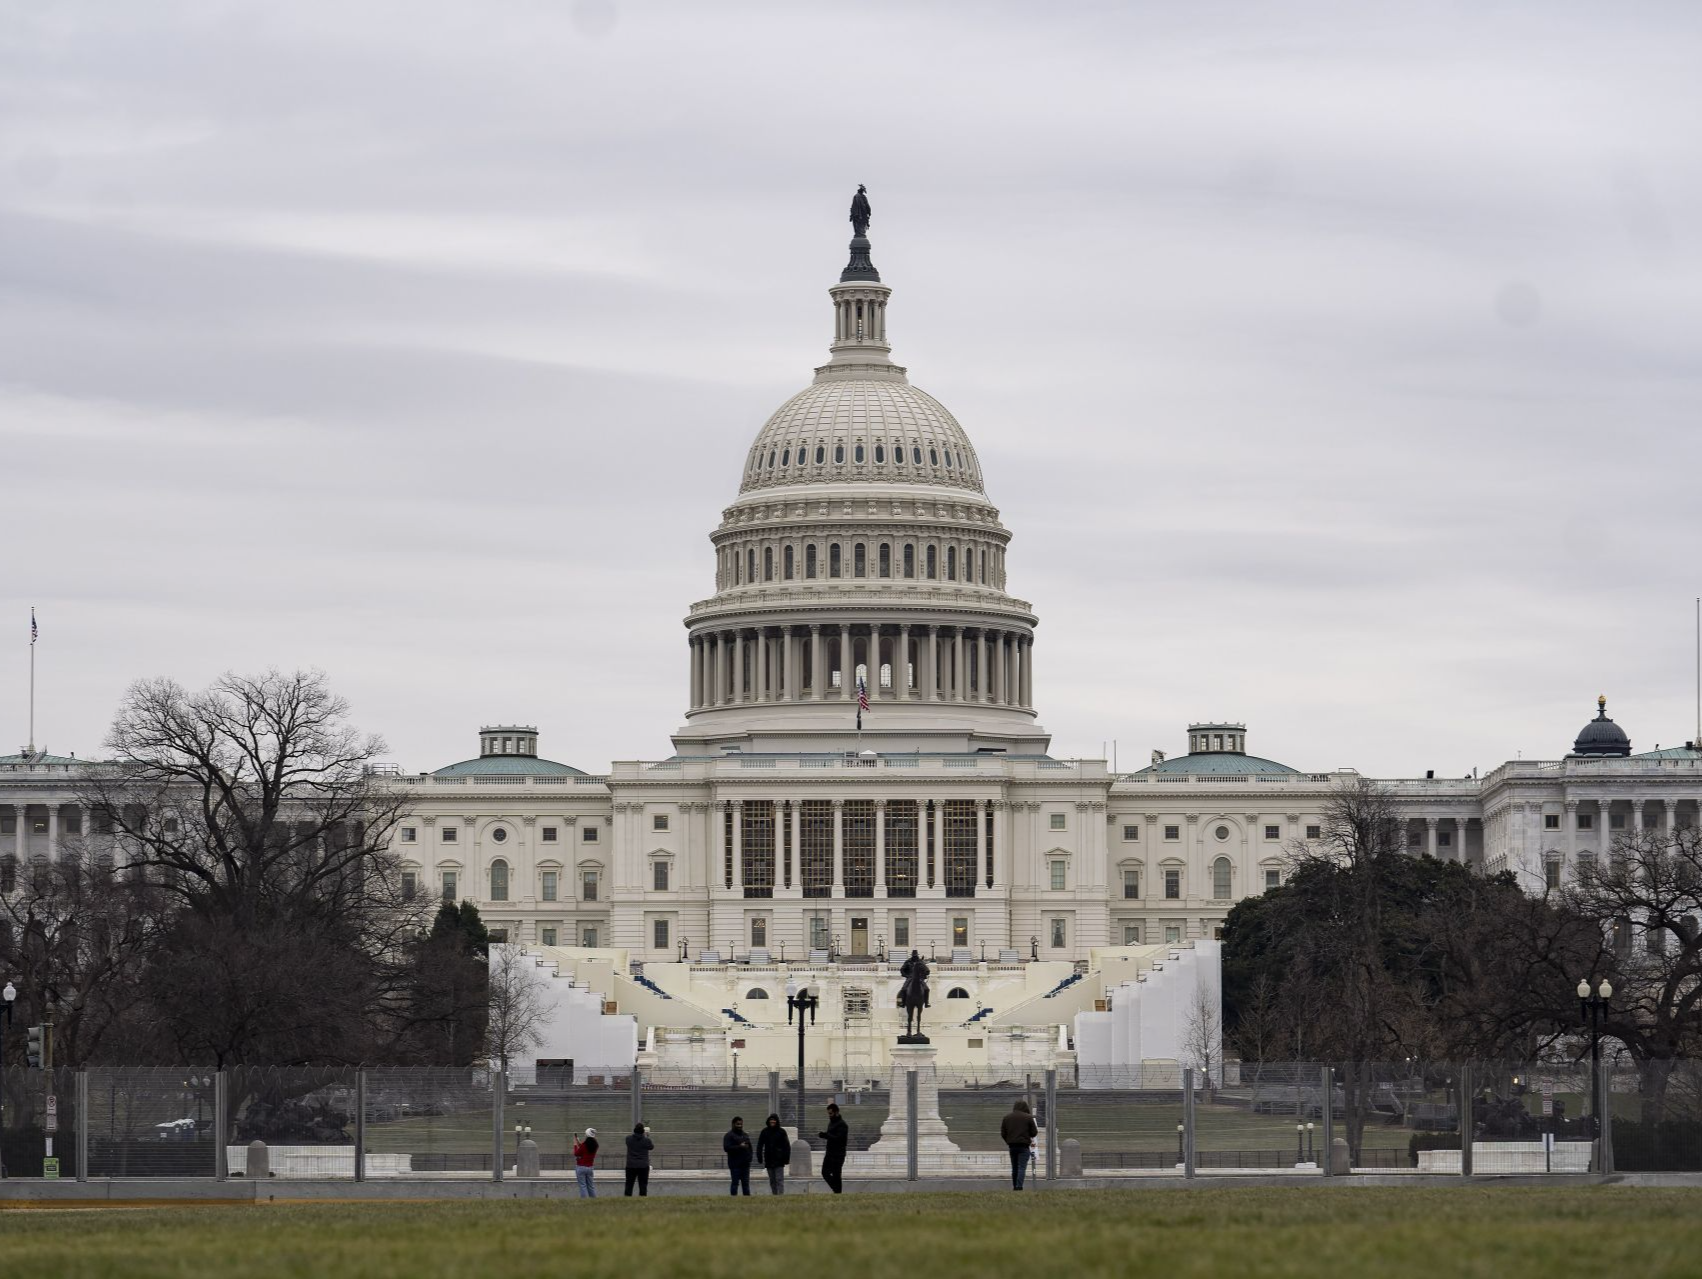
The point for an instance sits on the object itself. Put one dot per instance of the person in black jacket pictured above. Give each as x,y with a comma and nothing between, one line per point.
837,1137
638,1148
737,1144
774,1152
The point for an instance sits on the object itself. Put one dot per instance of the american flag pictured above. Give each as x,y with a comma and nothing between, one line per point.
34,629
862,695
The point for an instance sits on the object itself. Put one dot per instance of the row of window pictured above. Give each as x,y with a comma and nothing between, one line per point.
1173,834
1586,821
782,458
1222,880
549,884
934,562
452,834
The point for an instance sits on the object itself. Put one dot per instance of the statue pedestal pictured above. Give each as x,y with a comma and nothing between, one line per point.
930,1128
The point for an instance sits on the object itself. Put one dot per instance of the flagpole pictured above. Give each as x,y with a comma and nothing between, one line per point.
32,680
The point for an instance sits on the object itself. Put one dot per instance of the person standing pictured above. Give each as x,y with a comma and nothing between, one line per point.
1018,1131
585,1164
837,1137
774,1152
638,1148
737,1144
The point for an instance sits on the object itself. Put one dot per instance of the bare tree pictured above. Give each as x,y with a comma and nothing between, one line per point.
1646,909
252,812
1202,1039
519,1004
1259,1029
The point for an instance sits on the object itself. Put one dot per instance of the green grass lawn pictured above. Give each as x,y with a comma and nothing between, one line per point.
1502,1233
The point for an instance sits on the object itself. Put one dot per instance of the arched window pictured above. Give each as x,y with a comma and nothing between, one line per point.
933,457
821,455
916,455
756,992
499,880
738,568
810,561
957,992
859,560
786,564
886,559
771,459
880,453
833,560
910,559
951,563
786,458
933,563
838,452
948,458
1220,879
768,563
983,568
750,566
857,456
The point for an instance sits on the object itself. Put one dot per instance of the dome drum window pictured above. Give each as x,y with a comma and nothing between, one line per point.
838,453
857,455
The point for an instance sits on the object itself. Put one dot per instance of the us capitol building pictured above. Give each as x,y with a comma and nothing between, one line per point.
862,554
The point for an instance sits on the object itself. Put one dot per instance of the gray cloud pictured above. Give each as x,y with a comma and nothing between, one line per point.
1335,370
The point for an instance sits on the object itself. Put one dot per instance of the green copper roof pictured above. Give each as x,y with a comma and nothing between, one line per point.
508,766
38,760
1671,752
1218,762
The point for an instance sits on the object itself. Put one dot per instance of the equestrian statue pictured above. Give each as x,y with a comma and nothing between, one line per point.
913,998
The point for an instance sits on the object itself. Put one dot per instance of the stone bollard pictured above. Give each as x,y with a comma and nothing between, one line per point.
526,1163
798,1171
1069,1157
1340,1163
259,1160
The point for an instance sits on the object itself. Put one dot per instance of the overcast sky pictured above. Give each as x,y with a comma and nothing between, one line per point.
1337,373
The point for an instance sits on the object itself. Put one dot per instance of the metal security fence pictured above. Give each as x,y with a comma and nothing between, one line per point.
1455,1118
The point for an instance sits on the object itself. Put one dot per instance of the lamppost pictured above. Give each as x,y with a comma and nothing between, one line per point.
1181,1156
1311,1154
799,1000
6,997
685,948
1034,948
735,1070
1299,1143
522,1132
1590,1010
192,1087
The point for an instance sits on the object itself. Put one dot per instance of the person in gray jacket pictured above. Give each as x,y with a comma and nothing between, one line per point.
638,1148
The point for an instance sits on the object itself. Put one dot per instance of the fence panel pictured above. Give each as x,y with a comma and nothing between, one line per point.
428,1120
1657,1116
151,1122
40,1116
304,1115
554,1111
1125,1118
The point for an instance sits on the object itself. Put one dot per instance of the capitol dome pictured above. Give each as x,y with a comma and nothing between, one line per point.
860,572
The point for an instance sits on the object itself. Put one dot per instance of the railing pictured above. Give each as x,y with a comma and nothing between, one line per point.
343,1123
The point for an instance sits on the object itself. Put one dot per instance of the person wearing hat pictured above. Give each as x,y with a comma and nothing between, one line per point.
585,1164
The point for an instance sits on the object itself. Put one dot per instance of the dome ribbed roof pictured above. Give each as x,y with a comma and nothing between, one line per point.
508,766
1601,736
1206,763
853,428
